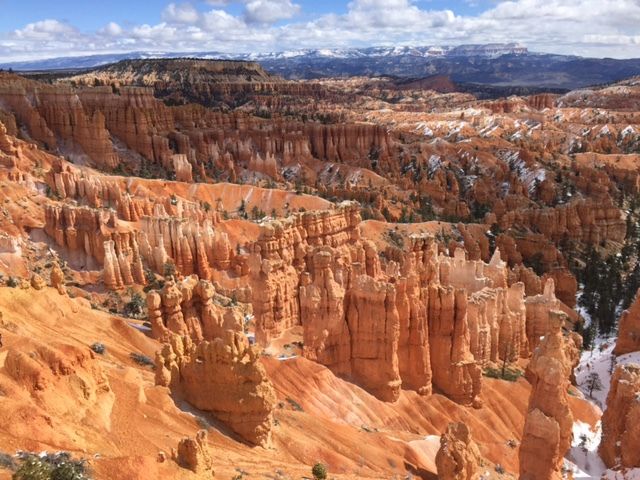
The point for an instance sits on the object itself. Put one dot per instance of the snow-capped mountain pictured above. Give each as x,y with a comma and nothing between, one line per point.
499,65
90,61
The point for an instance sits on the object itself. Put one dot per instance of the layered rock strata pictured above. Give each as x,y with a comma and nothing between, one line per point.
548,425
223,376
620,421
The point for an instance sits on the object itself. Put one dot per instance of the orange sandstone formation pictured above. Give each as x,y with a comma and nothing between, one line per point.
57,279
223,376
192,453
188,308
548,426
629,329
620,422
458,457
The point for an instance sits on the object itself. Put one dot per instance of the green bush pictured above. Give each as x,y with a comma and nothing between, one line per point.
319,471
98,348
58,466
510,374
33,468
169,269
141,359
136,306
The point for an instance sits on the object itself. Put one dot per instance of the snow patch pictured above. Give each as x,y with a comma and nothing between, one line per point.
583,459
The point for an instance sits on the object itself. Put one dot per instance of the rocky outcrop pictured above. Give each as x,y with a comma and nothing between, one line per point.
283,251
191,246
539,309
374,324
188,308
193,454
629,329
581,221
57,279
327,339
455,370
620,443
37,282
100,236
497,324
458,457
548,425
223,376
54,116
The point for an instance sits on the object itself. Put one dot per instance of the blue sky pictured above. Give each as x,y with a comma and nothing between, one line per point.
39,29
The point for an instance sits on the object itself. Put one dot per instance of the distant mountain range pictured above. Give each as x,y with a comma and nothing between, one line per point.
492,64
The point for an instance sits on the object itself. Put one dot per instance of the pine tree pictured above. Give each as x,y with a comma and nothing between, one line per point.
593,382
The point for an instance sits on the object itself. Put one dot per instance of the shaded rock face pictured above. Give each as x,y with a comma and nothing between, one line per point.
223,376
620,445
99,237
548,425
455,370
629,330
458,457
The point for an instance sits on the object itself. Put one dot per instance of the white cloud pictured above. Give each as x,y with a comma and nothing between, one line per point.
44,29
112,29
270,11
180,13
585,27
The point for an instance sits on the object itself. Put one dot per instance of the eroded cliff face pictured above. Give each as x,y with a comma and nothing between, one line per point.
620,427
190,307
223,376
410,318
206,357
548,426
629,329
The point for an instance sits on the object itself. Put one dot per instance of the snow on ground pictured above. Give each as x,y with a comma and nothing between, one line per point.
626,474
583,459
601,361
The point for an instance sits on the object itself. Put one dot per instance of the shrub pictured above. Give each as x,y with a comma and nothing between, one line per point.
141,359
68,471
33,468
510,374
12,282
169,269
57,466
319,471
135,306
295,405
98,348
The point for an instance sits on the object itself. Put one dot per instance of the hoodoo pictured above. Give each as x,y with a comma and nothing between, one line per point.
239,267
